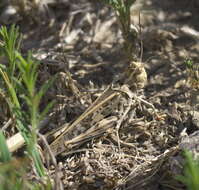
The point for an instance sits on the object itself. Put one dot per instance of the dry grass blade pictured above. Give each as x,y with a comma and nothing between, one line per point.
58,182
150,168
93,132
57,145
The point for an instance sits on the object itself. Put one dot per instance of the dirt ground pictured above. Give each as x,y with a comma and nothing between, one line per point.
82,38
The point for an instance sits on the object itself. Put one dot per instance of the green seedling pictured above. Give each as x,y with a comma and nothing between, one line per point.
193,74
19,75
5,155
122,10
190,175
188,63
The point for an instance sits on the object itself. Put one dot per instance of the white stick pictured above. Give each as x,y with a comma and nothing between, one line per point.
15,142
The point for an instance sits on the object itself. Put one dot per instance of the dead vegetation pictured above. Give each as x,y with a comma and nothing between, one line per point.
109,129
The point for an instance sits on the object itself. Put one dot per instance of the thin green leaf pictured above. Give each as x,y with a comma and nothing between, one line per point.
5,155
46,110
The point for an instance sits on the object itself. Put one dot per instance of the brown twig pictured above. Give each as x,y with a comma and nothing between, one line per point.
58,182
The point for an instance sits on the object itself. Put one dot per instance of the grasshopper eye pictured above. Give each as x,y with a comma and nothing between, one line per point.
193,75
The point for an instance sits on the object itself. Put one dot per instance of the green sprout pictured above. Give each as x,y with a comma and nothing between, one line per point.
123,13
19,77
188,63
190,175
5,155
